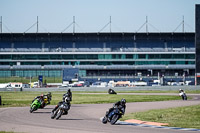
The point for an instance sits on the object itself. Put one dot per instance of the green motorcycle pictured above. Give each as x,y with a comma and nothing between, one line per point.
35,105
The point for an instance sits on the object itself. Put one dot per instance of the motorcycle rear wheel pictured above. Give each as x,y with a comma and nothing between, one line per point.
104,120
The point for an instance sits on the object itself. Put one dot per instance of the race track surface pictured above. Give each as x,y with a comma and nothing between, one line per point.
82,118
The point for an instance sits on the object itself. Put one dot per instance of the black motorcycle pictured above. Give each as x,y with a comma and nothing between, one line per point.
61,110
111,91
113,116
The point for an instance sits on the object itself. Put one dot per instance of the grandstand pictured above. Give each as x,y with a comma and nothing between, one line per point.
118,56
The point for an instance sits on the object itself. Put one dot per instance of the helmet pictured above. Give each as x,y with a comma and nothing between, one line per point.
123,101
68,91
65,96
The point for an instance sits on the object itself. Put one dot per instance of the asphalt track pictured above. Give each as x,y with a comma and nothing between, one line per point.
82,118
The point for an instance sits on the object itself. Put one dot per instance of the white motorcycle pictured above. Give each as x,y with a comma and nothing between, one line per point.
183,95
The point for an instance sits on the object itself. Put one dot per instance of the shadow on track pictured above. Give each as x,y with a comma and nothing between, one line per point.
70,119
42,112
47,108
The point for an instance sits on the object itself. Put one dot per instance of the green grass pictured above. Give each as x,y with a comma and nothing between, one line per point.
185,117
12,99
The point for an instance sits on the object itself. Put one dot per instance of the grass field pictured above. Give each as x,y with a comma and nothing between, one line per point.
185,117
11,99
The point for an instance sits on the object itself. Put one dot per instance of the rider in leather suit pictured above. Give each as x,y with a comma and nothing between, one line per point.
121,105
66,100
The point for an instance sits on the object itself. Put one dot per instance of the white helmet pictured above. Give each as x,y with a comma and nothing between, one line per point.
67,99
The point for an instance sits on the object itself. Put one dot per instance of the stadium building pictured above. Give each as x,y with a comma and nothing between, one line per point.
105,56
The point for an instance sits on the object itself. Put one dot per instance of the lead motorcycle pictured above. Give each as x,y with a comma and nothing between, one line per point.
113,116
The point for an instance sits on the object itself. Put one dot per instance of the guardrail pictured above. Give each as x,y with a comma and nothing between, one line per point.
137,88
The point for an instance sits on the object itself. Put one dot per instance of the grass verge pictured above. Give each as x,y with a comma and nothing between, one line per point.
13,99
185,117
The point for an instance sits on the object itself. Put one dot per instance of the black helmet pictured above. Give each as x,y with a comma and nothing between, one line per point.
123,101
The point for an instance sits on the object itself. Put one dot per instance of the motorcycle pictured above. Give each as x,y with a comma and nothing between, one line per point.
35,105
112,117
111,91
61,110
183,95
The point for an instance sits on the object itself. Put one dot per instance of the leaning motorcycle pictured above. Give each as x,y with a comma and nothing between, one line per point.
35,105
183,95
112,117
111,91
61,110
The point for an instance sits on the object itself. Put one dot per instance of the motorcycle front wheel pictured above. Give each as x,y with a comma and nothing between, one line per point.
53,114
32,109
59,114
114,119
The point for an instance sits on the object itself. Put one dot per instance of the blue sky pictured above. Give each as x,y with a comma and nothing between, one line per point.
93,15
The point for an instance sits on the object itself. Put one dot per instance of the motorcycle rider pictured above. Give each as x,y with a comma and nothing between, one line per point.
48,95
66,99
182,94
180,91
69,93
121,105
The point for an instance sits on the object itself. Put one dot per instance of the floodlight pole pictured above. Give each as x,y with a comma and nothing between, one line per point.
74,24
110,24
147,24
183,24
37,25
1,25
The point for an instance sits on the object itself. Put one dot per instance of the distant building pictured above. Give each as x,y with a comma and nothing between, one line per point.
99,56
